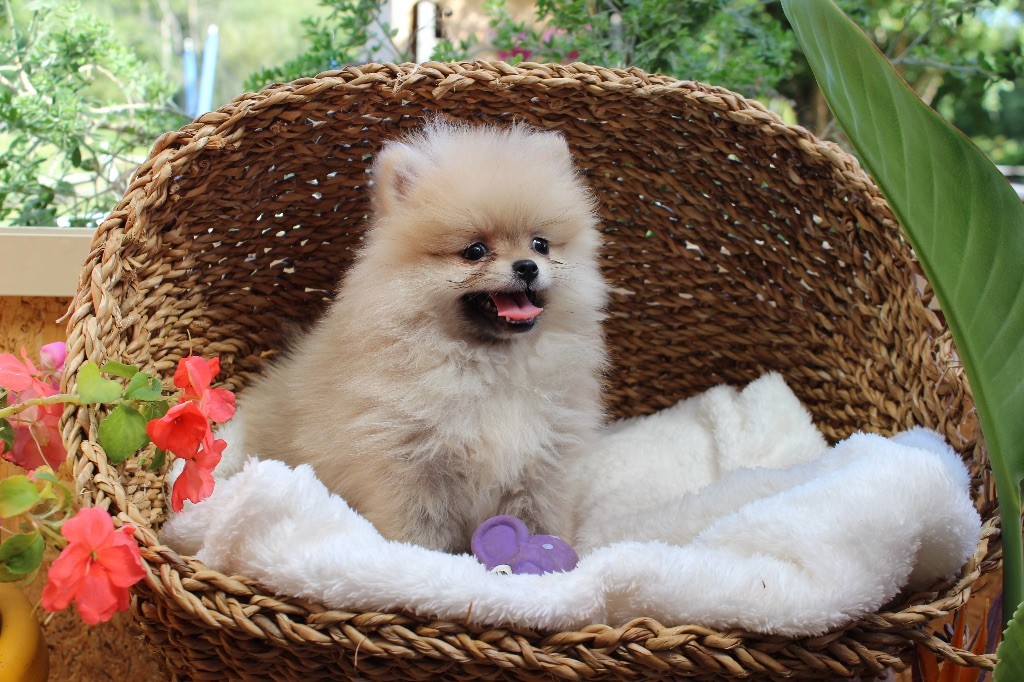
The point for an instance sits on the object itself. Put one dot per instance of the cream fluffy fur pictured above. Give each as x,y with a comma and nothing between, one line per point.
426,420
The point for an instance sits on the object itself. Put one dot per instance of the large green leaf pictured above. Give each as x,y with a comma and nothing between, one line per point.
964,221
122,433
92,388
1011,651
20,555
17,496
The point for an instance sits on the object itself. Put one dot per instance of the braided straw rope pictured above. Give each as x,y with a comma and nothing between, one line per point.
735,244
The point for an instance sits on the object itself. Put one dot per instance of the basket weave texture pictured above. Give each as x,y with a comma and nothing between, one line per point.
734,243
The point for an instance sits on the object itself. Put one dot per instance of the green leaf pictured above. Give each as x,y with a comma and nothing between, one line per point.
159,459
962,217
17,496
155,409
119,369
143,386
6,434
1010,653
122,433
53,487
95,389
21,554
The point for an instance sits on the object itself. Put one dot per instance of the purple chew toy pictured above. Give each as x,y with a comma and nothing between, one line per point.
505,540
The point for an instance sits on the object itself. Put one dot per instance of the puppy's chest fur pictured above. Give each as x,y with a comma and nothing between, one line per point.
491,415
505,421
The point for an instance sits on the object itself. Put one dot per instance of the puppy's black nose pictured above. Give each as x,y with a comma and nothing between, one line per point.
526,270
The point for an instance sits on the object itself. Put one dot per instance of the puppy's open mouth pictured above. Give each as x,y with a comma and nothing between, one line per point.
510,311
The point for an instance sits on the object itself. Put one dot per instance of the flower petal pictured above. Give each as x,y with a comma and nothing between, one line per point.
57,595
65,577
195,483
91,528
194,374
98,599
54,451
14,376
24,452
37,436
182,430
53,355
123,563
218,404
209,457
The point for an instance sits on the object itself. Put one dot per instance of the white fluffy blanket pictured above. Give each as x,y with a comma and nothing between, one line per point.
726,510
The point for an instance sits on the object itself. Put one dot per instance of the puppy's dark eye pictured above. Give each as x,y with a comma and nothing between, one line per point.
540,245
474,251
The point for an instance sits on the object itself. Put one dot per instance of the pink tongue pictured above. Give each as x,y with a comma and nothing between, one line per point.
515,306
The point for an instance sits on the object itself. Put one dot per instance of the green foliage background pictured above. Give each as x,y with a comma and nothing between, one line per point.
87,86
67,157
254,34
964,57
74,105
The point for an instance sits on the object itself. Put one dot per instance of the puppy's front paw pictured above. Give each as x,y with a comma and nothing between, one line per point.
446,533
542,515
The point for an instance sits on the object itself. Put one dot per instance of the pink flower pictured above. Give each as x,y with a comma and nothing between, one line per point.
195,482
96,568
183,430
37,438
52,357
15,375
194,374
517,51
550,33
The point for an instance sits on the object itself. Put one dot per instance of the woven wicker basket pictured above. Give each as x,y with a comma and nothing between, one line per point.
735,244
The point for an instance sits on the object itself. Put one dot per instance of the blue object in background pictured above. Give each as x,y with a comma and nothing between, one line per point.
209,74
191,88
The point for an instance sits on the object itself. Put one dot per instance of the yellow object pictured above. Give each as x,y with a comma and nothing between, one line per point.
23,655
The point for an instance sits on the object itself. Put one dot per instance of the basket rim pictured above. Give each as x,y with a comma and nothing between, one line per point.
237,604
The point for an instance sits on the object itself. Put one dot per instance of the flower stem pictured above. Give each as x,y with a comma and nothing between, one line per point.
68,398
56,539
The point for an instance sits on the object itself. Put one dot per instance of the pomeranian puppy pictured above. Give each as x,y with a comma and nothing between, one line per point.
459,366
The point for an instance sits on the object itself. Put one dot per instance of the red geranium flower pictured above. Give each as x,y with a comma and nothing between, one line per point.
182,430
195,482
194,374
96,568
37,437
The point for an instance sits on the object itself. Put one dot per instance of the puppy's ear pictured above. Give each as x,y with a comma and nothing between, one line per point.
394,170
556,146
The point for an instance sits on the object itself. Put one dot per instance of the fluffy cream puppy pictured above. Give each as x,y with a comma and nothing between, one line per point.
459,367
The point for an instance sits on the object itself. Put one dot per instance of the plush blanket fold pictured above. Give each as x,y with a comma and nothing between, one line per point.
726,510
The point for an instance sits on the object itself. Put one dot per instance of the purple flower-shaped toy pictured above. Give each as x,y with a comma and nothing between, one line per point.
506,541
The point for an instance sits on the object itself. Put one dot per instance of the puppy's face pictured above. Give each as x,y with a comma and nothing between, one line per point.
505,276
490,231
